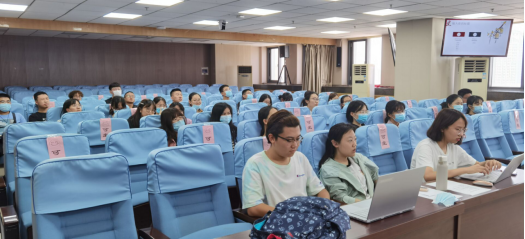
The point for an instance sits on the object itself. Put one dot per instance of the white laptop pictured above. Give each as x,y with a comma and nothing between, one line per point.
497,176
394,194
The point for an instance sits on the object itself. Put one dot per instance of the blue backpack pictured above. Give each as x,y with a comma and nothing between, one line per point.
303,217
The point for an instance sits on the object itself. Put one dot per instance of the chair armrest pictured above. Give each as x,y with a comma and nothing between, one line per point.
9,223
516,152
243,215
156,234
143,235
3,192
505,161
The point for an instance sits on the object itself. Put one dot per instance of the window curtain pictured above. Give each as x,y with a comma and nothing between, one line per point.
318,69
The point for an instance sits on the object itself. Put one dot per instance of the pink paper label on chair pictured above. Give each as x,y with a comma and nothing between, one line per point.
203,93
297,112
105,128
155,95
188,121
309,123
142,97
133,110
409,103
282,91
435,109
287,104
51,104
383,136
207,134
55,147
328,93
266,144
489,106
100,97
387,98
517,119
254,100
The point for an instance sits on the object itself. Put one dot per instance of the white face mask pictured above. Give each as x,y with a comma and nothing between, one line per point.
117,93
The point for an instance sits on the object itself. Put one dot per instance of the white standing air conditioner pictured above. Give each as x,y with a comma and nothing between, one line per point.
472,73
244,76
363,80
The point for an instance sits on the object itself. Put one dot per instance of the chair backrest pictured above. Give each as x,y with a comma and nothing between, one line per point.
30,151
122,114
433,111
491,138
490,107
417,113
54,94
244,150
258,94
313,147
53,114
189,112
298,99
336,119
156,90
507,105
252,106
470,143
97,135
410,104
62,98
384,99
18,108
150,121
137,92
63,192
376,117
245,87
326,110
512,124
411,133
368,101
387,155
71,120
19,95
214,98
248,115
201,117
252,101
519,104
283,105
104,109
298,111
379,105
319,123
334,102
428,103
248,129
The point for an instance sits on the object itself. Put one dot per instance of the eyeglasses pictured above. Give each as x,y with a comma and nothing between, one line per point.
315,99
130,96
5,101
297,140
362,112
462,131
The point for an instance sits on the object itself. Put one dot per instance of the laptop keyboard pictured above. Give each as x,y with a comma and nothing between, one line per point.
362,213
492,177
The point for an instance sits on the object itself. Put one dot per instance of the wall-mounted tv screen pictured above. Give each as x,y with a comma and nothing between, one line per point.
476,37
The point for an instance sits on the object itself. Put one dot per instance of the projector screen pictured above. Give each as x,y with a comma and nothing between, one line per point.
476,37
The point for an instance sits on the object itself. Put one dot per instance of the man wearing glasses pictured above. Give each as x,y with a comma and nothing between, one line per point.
129,97
280,172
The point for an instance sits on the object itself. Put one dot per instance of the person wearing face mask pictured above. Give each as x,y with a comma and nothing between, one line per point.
348,176
195,102
180,107
357,113
395,112
146,107
453,102
246,95
160,104
7,117
475,105
114,90
170,121
71,105
345,100
222,112
225,92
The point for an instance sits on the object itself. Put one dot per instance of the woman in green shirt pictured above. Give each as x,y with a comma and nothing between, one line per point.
348,176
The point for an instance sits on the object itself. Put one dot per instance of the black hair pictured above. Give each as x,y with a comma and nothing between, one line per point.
177,89
114,104
354,106
73,93
279,120
464,91
174,104
158,99
166,122
444,119
264,97
472,100
392,106
222,88
286,97
342,99
263,114
68,104
449,101
336,133
244,91
307,96
134,120
4,95
191,96
113,85
216,113
35,96
331,96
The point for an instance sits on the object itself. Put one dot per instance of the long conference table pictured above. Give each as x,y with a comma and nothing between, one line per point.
494,214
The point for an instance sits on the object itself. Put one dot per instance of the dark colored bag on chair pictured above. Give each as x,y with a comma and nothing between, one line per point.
303,217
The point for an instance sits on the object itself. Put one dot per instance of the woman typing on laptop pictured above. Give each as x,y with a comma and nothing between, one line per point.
444,137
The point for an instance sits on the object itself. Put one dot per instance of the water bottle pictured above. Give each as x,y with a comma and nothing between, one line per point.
442,173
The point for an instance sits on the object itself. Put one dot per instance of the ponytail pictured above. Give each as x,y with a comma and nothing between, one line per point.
307,96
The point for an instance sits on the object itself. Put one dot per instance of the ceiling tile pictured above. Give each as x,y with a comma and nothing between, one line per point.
81,16
106,20
40,15
106,3
51,7
254,3
309,10
12,14
189,7
336,5
394,4
451,3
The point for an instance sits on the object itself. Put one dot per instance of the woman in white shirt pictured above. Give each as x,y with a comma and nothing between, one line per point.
444,137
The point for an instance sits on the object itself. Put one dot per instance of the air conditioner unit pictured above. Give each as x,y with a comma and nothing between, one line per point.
472,73
363,80
244,76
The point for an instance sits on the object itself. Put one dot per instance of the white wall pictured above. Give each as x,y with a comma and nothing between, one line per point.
228,57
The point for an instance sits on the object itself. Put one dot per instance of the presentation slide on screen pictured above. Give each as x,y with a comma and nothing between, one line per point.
488,37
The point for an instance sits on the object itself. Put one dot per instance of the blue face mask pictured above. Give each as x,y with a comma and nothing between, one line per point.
160,110
5,107
226,118
196,107
347,103
249,97
400,118
362,118
178,124
458,108
478,109
229,94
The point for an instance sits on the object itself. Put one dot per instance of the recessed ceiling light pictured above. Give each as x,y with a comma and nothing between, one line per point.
160,2
476,15
122,15
12,7
279,28
384,12
388,25
335,19
259,12
334,32
207,22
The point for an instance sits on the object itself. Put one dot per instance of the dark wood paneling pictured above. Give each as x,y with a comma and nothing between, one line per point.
29,61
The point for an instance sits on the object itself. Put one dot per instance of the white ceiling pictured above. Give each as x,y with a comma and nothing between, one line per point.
301,14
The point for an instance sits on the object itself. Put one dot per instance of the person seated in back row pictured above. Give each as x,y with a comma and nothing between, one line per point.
146,107
444,137
176,95
222,112
117,103
395,112
7,117
357,113
225,91
246,95
279,173
76,94
170,121
465,94
160,104
71,105
265,98
195,102
114,90
129,97
345,100
264,115
286,97
311,100
348,176
453,102
333,96
474,105
42,103
180,107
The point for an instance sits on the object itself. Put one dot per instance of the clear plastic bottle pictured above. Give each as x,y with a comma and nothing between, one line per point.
442,173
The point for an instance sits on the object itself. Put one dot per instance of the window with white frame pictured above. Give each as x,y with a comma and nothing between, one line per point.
507,72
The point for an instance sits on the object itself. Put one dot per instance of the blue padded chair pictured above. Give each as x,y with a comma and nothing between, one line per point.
244,150
19,95
150,121
62,98
13,133
201,117
91,104
91,129
323,101
325,94
433,111
248,129
513,134
313,147
388,160
417,113
282,105
302,110
19,108
40,88
519,104
380,105
384,99
71,120
104,91
245,87
407,105
30,151
192,178
411,133
54,94
279,92
158,91
131,144
189,112
214,98
368,101
506,105
299,93
256,106
233,88
297,99
248,115
376,117
123,114
64,205
319,123
326,110
193,134
493,107
252,101
335,102
104,109
428,103
470,143
137,92
336,119
490,136
258,94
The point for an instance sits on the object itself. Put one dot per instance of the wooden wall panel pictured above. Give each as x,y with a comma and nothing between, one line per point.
29,61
